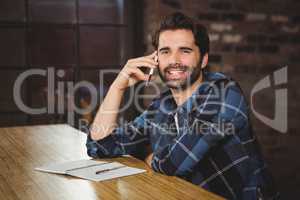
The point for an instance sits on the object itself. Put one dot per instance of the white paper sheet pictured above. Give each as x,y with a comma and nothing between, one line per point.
87,169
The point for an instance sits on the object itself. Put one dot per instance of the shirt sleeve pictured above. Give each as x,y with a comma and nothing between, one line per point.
228,115
128,139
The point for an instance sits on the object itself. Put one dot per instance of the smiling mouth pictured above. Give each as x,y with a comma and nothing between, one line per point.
176,73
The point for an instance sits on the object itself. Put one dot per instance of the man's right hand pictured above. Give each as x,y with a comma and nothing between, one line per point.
131,74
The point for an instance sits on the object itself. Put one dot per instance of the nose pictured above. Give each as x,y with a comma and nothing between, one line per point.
175,58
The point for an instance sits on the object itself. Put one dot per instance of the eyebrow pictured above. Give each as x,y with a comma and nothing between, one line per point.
182,48
164,48
186,48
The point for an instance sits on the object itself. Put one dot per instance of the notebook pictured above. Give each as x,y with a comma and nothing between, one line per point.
91,169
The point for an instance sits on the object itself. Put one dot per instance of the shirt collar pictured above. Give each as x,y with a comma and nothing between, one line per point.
169,106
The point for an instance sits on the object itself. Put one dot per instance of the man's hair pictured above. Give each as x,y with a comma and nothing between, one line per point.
178,20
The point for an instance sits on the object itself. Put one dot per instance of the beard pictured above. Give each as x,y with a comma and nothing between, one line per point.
180,77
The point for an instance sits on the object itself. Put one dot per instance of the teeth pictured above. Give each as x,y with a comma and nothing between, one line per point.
175,71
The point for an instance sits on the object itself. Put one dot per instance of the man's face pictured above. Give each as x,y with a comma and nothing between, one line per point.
179,58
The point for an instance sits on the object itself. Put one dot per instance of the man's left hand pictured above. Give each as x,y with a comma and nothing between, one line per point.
148,159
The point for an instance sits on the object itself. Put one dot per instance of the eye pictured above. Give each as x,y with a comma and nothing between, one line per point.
164,52
186,51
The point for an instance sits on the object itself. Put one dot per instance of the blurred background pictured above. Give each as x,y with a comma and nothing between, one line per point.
75,39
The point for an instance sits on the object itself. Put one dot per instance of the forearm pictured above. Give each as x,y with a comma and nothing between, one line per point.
187,150
106,117
126,139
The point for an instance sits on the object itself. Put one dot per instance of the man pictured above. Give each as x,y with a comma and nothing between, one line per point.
198,129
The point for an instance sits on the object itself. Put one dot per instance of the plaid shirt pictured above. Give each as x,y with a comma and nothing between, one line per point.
207,140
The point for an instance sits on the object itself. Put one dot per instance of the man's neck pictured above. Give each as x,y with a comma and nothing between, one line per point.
181,96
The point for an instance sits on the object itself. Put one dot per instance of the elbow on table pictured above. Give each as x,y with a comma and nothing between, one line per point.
91,152
168,168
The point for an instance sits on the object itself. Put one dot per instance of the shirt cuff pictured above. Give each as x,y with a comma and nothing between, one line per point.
100,148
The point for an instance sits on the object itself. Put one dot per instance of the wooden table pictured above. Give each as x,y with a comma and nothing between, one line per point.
24,148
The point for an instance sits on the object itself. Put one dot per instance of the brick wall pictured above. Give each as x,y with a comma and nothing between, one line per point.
250,39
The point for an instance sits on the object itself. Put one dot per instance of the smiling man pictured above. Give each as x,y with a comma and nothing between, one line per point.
198,129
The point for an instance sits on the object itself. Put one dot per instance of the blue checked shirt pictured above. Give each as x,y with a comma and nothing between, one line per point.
207,140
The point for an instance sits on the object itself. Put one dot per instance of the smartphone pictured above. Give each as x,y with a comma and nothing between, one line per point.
151,71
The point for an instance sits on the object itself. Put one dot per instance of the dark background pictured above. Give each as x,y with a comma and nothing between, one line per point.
79,37
250,39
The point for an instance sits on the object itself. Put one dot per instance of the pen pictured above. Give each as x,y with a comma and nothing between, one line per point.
107,170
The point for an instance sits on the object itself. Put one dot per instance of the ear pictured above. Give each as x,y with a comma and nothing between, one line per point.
204,61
